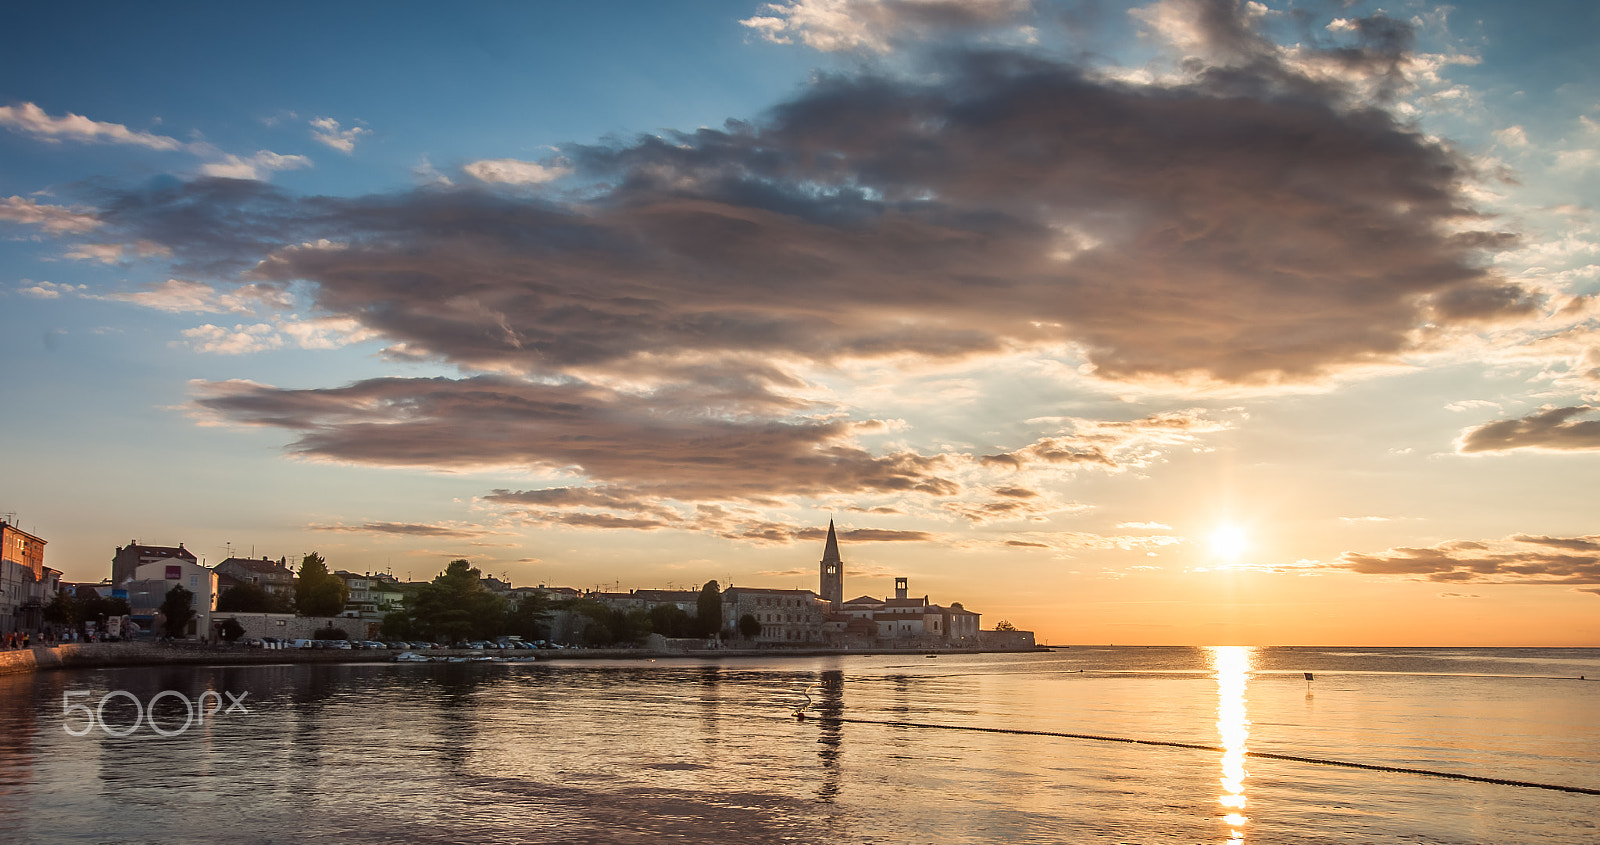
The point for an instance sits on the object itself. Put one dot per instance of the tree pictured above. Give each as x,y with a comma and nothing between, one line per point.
749,626
318,593
1003,625
231,630
669,620
178,609
397,625
708,610
250,597
527,619
62,610
456,606
329,633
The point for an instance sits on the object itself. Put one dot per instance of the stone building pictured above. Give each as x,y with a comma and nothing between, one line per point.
272,576
792,617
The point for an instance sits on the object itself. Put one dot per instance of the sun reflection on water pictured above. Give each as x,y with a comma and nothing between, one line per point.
1233,727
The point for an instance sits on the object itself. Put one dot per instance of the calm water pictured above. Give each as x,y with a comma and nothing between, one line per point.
706,751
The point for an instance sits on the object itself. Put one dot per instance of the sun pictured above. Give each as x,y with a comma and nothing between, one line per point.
1229,542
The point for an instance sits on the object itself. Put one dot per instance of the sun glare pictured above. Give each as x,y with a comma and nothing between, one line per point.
1229,543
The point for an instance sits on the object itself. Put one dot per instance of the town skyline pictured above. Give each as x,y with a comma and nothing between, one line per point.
1186,322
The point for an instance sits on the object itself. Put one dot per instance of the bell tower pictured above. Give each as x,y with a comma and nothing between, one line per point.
832,590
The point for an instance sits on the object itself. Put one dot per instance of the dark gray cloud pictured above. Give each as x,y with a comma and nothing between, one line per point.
660,445
1251,222
1519,560
1547,430
408,529
1246,224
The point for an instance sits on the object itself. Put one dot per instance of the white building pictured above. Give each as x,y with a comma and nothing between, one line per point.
152,581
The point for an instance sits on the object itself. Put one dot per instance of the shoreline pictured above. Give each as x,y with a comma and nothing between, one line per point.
114,655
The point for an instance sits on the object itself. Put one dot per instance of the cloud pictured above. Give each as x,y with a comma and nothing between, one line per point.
255,167
1069,541
1145,526
49,290
875,25
55,219
113,253
1551,429
405,529
180,296
240,340
1516,560
669,332
1113,445
1233,228
30,119
510,171
667,443
325,130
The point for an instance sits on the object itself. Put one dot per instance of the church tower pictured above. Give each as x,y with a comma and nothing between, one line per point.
832,571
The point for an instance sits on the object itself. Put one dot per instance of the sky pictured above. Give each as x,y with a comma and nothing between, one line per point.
1183,322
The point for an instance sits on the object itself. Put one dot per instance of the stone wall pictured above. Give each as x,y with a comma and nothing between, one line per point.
89,655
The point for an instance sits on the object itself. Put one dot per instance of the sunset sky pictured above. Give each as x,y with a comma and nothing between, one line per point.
1188,322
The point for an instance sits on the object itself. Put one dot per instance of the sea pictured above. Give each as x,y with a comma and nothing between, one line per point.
1077,745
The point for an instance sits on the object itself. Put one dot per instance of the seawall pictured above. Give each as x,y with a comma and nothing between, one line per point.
95,655
100,655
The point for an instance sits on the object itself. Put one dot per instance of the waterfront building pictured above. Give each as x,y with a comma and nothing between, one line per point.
792,617
26,584
832,572
134,555
151,582
902,619
272,576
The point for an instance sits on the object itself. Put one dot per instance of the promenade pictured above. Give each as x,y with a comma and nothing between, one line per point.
101,655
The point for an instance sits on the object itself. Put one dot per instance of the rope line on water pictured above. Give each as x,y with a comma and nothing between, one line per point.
1220,750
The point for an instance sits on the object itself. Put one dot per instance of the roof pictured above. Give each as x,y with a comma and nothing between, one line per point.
763,590
14,529
667,595
865,600
251,565
830,552
142,550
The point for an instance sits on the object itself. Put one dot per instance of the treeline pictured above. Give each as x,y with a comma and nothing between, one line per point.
73,608
456,606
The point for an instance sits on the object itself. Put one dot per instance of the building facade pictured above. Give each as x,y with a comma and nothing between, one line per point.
151,582
272,576
26,584
134,555
790,617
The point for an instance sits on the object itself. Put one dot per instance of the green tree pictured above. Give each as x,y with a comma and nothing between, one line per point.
456,605
231,630
62,610
329,633
528,618
669,620
749,626
708,610
178,608
317,593
397,625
